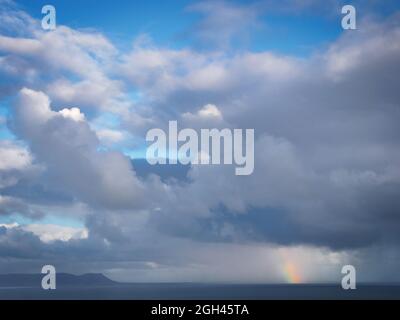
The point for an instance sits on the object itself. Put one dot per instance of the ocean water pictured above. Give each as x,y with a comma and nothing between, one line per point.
202,292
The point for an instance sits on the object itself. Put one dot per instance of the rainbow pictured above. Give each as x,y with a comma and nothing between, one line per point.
291,273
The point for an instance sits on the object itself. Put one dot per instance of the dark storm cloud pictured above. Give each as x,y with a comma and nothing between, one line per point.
332,157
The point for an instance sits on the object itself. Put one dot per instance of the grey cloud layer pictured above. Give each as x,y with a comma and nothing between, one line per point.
327,153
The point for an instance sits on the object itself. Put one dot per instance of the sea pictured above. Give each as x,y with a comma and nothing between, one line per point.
190,291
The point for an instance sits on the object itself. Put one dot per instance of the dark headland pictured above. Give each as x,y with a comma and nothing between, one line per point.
19,280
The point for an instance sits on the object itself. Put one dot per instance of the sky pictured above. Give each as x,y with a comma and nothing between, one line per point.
76,104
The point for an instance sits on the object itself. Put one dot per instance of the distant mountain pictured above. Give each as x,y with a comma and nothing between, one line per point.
62,279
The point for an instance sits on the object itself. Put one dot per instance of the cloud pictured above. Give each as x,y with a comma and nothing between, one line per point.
12,205
232,21
64,49
16,162
207,116
13,157
48,233
69,150
110,137
325,187
60,55
325,152
73,113
9,225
